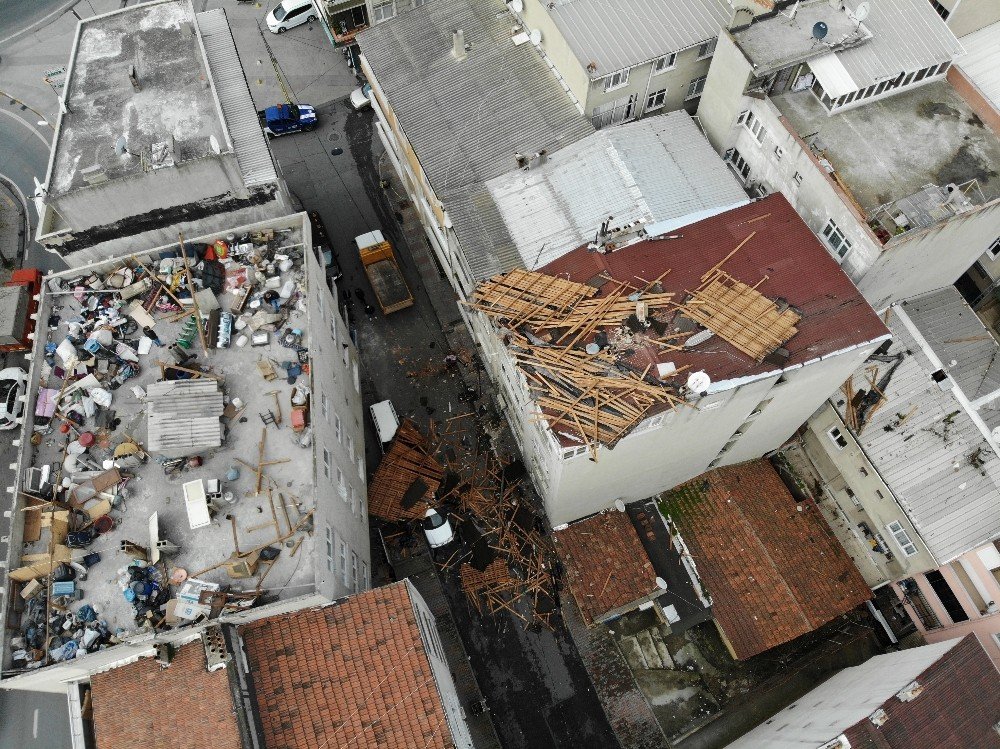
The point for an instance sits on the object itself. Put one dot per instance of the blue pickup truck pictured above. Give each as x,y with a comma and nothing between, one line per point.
288,118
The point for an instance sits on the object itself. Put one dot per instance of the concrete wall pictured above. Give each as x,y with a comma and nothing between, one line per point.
443,679
341,508
849,468
971,15
974,578
722,99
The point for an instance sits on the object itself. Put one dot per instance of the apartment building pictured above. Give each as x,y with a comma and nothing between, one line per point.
870,133
704,402
908,455
967,16
157,134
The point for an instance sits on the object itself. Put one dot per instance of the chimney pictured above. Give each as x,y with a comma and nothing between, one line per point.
458,44
521,159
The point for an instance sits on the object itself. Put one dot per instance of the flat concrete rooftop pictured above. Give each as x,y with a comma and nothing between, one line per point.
170,114
241,511
779,41
892,148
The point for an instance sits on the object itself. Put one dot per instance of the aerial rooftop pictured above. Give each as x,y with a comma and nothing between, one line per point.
121,398
941,461
167,115
874,148
659,169
619,35
772,567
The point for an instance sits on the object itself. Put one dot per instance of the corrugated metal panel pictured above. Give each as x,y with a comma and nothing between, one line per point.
832,74
249,143
928,459
980,62
908,35
466,119
184,416
627,32
658,169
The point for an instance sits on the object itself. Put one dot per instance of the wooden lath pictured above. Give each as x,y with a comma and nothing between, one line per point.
741,315
408,460
527,298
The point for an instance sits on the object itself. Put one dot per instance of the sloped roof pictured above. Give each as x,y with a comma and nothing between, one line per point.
773,569
627,32
982,49
606,566
351,674
659,169
142,705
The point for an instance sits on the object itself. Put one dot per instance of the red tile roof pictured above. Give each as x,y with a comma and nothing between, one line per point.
774,572
606,566
958,708
145,706
352,674
784,256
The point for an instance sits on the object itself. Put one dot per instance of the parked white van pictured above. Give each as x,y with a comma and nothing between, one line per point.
291,13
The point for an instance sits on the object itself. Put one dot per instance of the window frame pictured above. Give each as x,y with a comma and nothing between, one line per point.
838,438
343,563
621,76
993,251
662,95
695,88
707,49
327,463
901,545
330,549
378,7
841,247
665,63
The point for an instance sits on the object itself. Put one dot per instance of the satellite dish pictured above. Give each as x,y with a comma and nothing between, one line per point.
213,142
121,145
699,382
820,30
995,434
516,5
535,37
593,348
661,583
862,12
620,506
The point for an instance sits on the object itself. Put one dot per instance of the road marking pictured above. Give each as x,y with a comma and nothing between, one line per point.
57,12
34,726
28,125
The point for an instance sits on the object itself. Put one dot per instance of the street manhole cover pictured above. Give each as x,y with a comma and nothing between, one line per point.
333,137
337,151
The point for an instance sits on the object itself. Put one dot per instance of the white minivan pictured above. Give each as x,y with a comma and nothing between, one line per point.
289,14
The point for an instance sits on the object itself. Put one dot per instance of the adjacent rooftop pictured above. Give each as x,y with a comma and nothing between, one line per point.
660,170
773,568
979,61
931,432
139,73
902,147
154,450
626,33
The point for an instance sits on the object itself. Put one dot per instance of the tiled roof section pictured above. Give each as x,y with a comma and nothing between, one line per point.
145,706
605,564
783,257
958,708
774,569
353,674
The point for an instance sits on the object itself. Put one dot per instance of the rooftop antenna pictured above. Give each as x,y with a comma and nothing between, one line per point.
820,30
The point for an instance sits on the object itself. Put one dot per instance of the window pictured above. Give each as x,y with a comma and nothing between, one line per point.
862,470
324,405
616,80
778,152
350,446
347,355
419,3
341,484
333,330
707,49
337,428
664,64
572,452
656,99
322,306
383,10
326,462
695,88
738,163
853,496
329,548
353,502
879,494
357,379
836,240
354,571
837,437
364,575
941,10
994,249
753,125
902,538
361,467
343,562
797,178
363,504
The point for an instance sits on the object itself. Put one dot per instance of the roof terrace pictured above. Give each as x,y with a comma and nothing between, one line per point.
166,470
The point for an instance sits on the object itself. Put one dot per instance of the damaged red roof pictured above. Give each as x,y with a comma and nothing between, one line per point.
783,259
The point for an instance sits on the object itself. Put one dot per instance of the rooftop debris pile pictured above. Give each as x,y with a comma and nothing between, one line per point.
120,396
407,479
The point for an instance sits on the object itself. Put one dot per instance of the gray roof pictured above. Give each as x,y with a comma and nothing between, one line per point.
982,50
924,441
466,119
617,35
252,152
659,169
184,416
172,105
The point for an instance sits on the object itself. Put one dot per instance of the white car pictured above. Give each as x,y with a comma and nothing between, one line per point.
13,383
289,14
361,97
